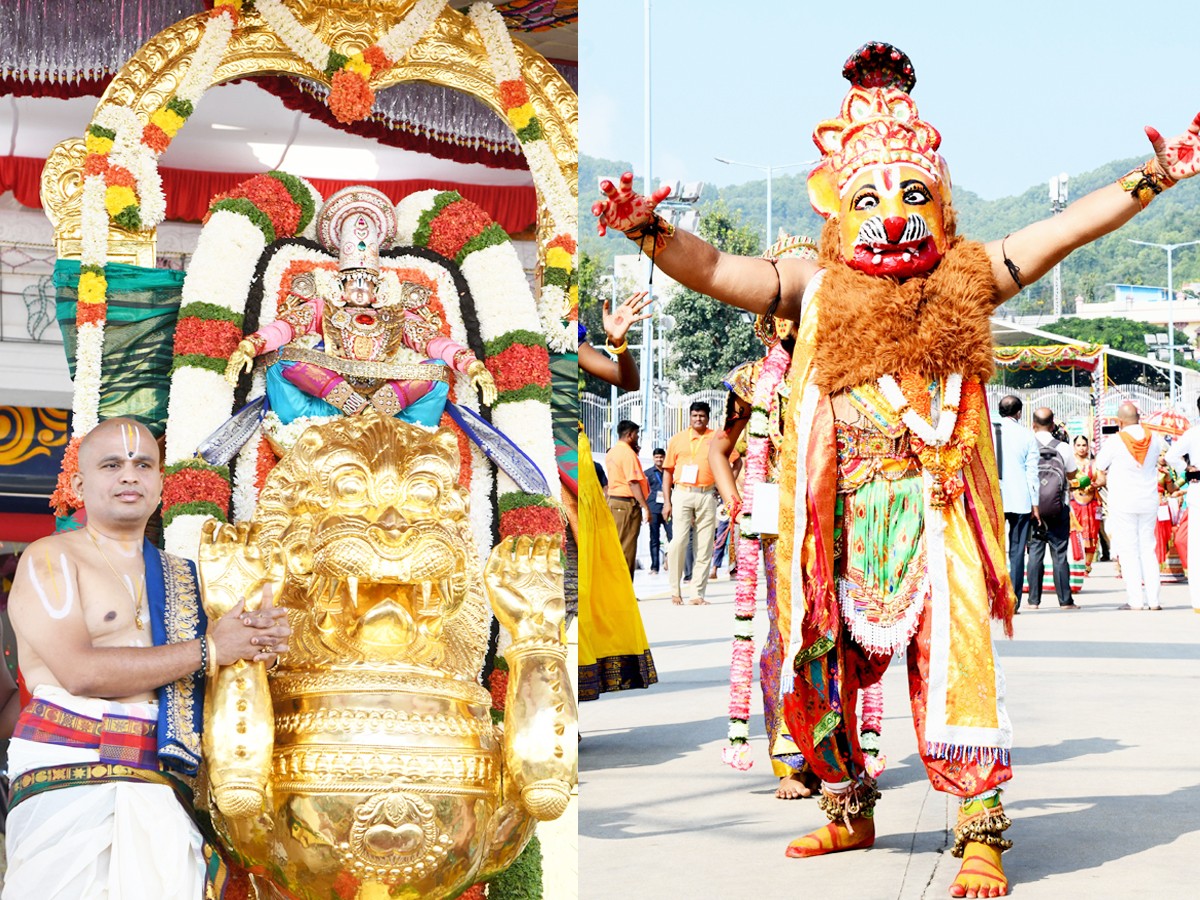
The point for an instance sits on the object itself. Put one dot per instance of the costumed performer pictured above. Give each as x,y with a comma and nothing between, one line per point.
614,654
114,646
329,345
1085,503
890,518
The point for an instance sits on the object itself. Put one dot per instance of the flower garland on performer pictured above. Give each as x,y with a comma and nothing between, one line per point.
741,667
351,95
558,305
945,449
121,182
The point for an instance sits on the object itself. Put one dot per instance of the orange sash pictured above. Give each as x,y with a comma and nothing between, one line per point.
1137,449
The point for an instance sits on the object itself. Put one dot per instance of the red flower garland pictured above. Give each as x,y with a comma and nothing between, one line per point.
520,365
530,520
456,224
195,485
206,337
271,196
264,462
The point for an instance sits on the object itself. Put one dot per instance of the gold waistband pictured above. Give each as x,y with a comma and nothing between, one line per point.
358,368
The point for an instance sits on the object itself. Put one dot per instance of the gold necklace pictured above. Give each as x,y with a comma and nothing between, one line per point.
137,600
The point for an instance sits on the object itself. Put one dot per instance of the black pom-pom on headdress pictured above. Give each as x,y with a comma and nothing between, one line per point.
879,65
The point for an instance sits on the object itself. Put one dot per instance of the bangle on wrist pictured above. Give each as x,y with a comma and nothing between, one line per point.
203,667
618,349
210,657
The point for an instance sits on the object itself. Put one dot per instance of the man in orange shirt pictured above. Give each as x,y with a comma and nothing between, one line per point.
627,489
688,486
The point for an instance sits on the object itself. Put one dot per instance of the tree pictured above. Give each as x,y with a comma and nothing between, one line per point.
710,338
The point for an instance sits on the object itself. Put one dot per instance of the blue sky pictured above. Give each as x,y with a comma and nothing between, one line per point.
1019,90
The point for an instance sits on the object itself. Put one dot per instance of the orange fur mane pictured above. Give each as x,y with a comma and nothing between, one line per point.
932,325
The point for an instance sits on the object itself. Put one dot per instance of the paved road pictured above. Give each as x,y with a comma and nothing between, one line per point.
1105,798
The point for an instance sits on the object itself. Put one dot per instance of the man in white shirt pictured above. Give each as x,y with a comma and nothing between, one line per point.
1184,456
1128,463
1017,458
1054,525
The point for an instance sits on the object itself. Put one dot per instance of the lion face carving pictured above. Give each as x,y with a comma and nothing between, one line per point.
375,528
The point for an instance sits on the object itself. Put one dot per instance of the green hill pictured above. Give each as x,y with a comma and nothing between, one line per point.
1173,217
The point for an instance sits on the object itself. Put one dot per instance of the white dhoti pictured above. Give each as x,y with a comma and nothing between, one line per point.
111,841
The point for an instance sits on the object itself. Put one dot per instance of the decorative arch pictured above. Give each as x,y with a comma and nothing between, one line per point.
450,54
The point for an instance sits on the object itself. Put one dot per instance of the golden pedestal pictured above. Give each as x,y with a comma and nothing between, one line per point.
376,771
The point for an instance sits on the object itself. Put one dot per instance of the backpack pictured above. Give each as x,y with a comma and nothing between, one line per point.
1052,481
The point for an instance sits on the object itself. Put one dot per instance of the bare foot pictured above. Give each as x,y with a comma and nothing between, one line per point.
792,786
981,874
699,601
678,601
833,838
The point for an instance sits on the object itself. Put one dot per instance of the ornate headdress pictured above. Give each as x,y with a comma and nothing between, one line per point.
878,124
355,223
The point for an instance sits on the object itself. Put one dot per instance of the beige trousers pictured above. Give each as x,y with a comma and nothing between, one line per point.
692,510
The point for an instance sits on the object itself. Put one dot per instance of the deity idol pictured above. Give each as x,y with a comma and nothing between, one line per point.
891,527
334,343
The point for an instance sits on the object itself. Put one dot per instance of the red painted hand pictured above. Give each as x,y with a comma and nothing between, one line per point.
1180,156
624,209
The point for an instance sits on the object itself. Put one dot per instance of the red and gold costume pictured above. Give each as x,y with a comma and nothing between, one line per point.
890,512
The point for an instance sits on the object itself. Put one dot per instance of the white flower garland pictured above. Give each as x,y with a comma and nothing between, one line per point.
556,193
89,353
408,214
401,37
245,491
396,43
89,337
299,39
503,300
553,307
932,436
209,52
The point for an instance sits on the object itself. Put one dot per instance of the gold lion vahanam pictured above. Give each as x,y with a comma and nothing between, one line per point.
367,764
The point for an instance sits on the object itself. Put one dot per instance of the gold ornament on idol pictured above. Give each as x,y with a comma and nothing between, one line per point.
136,598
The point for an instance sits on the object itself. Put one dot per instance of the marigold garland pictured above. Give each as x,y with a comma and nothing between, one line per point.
64,499
121,183
351,96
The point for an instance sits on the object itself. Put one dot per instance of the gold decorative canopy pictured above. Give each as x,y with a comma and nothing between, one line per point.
450,54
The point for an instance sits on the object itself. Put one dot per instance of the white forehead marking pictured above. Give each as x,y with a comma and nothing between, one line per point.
131,439
55,612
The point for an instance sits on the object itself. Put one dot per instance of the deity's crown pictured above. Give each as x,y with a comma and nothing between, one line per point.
355,223
878,124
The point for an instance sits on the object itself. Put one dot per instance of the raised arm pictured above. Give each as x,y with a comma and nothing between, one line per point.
1037,248
746,282
623,371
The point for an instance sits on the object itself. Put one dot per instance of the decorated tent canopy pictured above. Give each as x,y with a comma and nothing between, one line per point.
1063,357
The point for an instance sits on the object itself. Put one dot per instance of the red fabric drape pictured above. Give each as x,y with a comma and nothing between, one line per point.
189,193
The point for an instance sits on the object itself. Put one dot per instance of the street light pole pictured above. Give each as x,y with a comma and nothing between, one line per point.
770,171
1170,248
